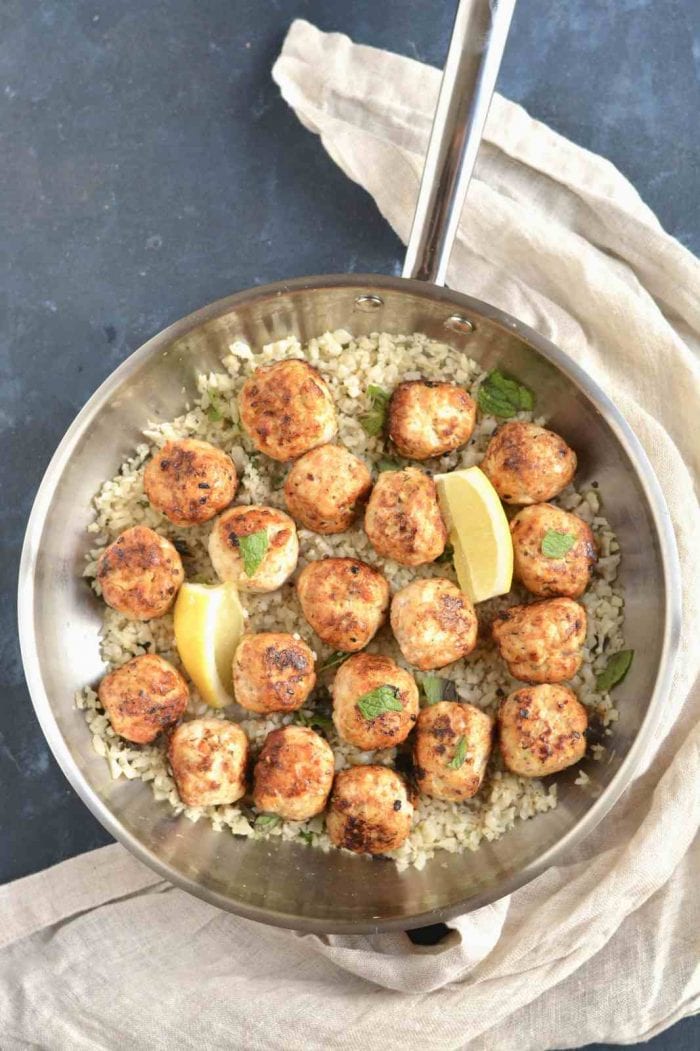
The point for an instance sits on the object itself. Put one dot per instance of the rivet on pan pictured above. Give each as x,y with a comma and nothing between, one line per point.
460,324
369,302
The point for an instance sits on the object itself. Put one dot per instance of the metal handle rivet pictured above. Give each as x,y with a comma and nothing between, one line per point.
369,302
460,324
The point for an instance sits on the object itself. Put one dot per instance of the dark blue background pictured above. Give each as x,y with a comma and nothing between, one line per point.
149,166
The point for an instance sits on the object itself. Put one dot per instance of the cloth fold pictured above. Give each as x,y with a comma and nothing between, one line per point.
604,946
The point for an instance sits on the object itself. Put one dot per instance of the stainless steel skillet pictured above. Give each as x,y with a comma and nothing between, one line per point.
284,883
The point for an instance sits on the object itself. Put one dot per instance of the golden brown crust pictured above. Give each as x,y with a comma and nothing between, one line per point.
293,774
325,488
279,560
528,464
369,811
344,600
543,641
208,758
434,623
143,697
568,575
287,409
442,729
140,574
403,520
359,675
190,481
541,730
272,672
428,418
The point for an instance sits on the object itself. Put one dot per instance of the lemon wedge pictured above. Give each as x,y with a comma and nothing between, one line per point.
209,622
479,533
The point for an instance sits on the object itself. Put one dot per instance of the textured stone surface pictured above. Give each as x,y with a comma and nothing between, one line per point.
149,166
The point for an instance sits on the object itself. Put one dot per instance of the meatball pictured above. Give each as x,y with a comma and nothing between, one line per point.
375,703
369,811
528,464
451,750
542,642
287,409
143,697
140,574
208,759
434,623
293,774
541,730
403,520
272,672
344,600
428,419
254,547
541,527
190,481
323,488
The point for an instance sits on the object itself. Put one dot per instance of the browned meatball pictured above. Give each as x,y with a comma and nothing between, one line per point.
344,600
434,623
140,574
293,774
369,810
230,539
534,530
287,409
208,759
542,642
190,481
451,750
541,730
325,487
403,520
428,418
528,464
375,702
272,672
143,697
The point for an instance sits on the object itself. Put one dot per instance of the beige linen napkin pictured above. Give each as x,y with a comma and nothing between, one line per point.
605,946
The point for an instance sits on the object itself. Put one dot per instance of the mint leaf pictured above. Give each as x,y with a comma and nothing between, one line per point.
385,464
431,688
266,822
308,837
555,544
615,670
314,719
373,421
214,412
334,661
460,755
500,396
379,700
253,548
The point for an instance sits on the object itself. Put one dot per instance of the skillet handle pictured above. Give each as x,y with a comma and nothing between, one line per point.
473,60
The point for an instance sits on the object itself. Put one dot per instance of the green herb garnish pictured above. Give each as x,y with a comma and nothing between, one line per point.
386,464
253,548
266,822
431,688
460,755
447,555
615,670
555,544
499,396
373,421
318,719
214,412
379,700
334,661
308,837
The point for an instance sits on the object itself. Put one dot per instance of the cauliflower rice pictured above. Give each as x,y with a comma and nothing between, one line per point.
348,365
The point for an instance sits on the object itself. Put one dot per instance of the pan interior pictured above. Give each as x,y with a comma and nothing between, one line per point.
283,882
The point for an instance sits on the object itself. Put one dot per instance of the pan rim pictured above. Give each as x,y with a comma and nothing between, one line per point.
364,283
